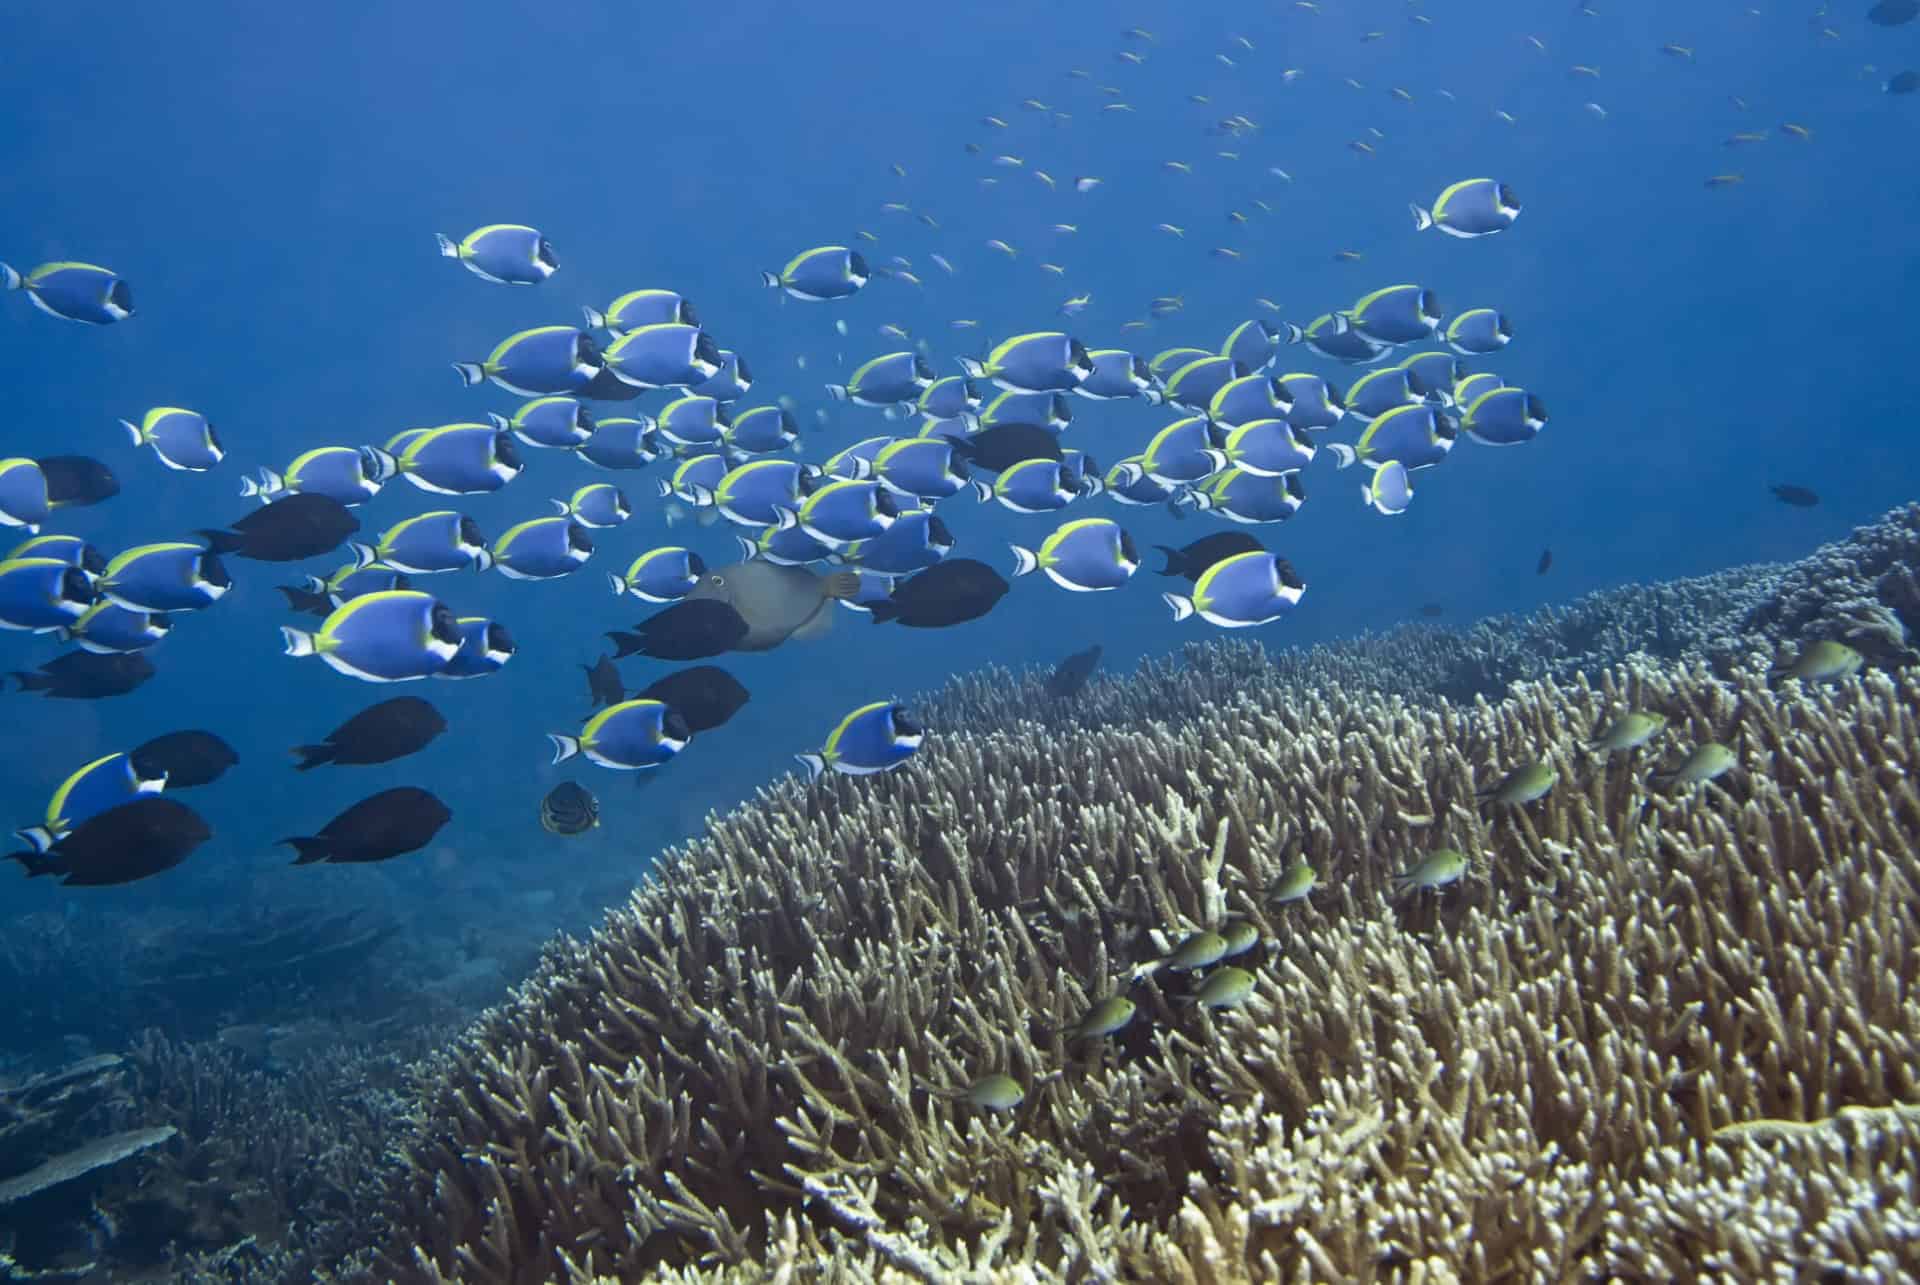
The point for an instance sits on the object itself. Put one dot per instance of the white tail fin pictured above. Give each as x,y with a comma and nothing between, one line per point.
449,249
974,367
748,549
483,560
1422,220
564,747
249,487
1217,458
133,431
315,584
299,642
699,496
899,410
784,518
618,585
1024,561
471,373
664,487
499,421
364,555
37,837
981,491
1182,607
1291,333
384,465
1343,455
9,279
837,391
595,318
814,764
770,280
560,506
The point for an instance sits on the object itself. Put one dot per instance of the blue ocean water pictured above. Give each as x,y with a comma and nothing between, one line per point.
270,180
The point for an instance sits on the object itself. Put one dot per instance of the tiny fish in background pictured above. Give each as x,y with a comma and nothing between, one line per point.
1798,496
1545,564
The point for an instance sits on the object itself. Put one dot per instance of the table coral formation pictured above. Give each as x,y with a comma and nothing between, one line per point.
1553,1069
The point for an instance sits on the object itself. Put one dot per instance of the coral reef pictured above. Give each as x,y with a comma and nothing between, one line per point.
1574,1062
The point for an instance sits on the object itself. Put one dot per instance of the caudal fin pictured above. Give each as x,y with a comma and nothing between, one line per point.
310,850
312,756
1024,561
306,601
1182,607
814,764
448,248
1176,564
221,541
564,747
299,642
626,644
771,280
9,279
133,432
471,373
33,682
1422,219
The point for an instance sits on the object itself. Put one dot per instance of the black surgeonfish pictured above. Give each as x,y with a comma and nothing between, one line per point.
133,841
381,826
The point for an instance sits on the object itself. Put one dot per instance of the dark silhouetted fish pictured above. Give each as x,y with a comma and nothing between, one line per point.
569,809
1798,496
1071,674
305,524
603,683
384,825
377,734
306,601
1004,445
188,758
1190,562
1904,82
85,675
950,593
1545,564
133,841
706,696
685,631
77,480
1432,609
1893,13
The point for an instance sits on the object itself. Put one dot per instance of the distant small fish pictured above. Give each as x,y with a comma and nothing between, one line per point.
1726,180
1800,132
1798,496
1432,610
1903,83
1347,256
1071,674
1545,564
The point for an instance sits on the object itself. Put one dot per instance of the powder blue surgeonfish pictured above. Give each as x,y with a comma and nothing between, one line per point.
1332,335
890,380
1379,391
1086,556
351,475
637,308
107,782
597,504
508,254
1316,403
83,292
107,628
824,272
1470,208
556,423
1478,332
1249,498
1417,436
922,467
44,594
1251,588
1505,417
622,443
1250,397
874,738
729,383
542,548
1396,314
538,362
760,492
631,735
23,495
170,576
427,543
666,574
1045,361
693,421
1268,448
916,540
1119,375
842,512
1256,344
1389,491
460,459
761,430
1036,486
183,439
668,354
390,637
485,646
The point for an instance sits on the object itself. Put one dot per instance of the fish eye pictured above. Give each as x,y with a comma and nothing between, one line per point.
718,582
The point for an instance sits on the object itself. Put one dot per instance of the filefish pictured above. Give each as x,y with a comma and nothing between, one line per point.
569,809
378,828
777,603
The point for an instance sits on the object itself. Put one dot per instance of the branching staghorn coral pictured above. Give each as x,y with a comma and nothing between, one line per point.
749,1072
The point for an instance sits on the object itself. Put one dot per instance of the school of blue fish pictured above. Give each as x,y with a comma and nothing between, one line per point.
1390,380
